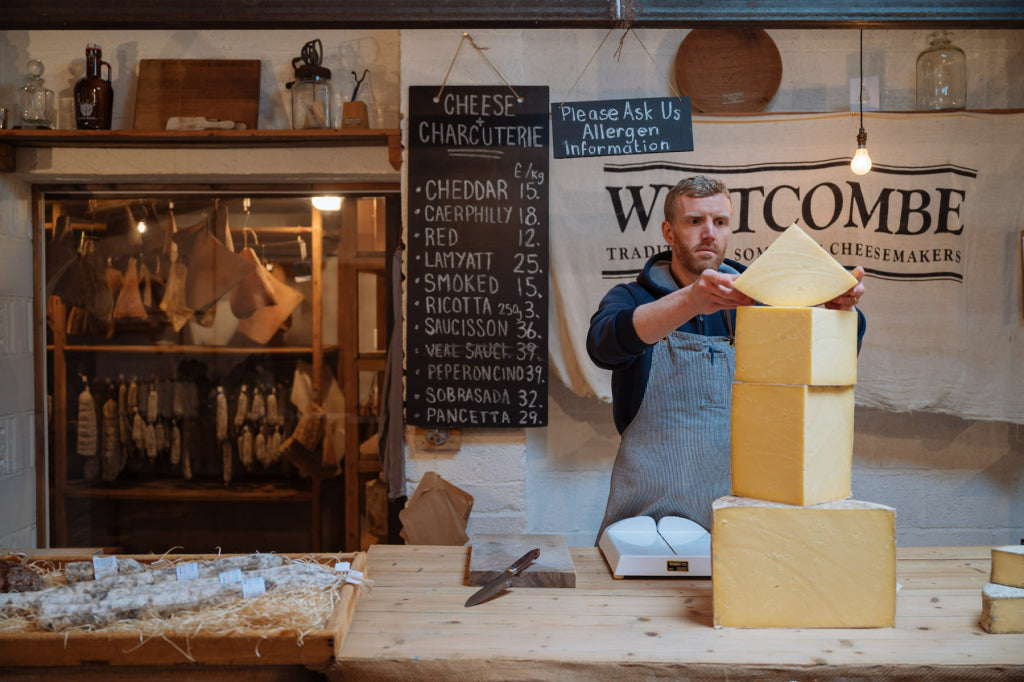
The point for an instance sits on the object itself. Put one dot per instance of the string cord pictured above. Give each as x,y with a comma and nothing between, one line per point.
480,51
618,56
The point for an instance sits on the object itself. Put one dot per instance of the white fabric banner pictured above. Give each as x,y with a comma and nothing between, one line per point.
937,224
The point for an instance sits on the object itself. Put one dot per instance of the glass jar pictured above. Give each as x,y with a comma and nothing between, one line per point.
35,100
311,97
941,75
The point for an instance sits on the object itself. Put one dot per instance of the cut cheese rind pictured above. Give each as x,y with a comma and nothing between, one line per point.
1008,565
1002,609
796,345
794,271
791,444
776,565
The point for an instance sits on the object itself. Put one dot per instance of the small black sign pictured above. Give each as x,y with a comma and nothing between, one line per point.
619,127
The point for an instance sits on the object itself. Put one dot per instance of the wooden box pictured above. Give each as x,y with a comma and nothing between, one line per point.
236,648
217,89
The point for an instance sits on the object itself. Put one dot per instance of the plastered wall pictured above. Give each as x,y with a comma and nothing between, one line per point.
952,481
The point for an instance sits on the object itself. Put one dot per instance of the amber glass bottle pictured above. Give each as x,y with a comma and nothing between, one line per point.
94,96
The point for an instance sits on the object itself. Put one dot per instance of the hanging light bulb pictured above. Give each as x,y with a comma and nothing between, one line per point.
860,164
327,203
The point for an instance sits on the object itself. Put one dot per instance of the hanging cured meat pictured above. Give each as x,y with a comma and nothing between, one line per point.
129,301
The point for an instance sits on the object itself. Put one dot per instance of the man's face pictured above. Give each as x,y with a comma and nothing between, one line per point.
698,235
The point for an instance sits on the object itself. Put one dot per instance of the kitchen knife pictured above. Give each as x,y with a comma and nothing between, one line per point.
505,580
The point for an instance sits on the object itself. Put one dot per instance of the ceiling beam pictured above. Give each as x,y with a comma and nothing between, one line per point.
426,14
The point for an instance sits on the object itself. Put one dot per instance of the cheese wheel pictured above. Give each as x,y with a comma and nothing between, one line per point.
1002,609
1008,565
794,271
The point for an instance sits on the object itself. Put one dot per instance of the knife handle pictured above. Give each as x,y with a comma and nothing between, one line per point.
523,562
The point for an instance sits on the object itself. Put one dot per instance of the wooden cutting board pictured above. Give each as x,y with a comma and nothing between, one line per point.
219,89
490,555
728,70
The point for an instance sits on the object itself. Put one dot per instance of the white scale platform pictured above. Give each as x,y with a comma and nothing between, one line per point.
673,547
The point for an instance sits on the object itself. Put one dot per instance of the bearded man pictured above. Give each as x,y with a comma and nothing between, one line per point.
668,339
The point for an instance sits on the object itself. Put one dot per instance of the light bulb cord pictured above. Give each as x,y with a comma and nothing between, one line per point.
860,93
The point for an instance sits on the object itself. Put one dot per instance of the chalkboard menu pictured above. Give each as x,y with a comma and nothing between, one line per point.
618,127
477,285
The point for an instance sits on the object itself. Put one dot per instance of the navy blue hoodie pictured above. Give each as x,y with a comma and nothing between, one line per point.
612,341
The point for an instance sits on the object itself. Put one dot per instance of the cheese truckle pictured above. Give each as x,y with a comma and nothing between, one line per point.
796,345
792,444
794,271
1002,598
831,565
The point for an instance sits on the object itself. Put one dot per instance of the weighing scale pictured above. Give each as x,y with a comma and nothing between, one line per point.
673,547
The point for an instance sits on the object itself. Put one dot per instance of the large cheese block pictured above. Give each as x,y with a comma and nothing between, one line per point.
794,271
1002,609
832,565
1008,565
795,345
792,444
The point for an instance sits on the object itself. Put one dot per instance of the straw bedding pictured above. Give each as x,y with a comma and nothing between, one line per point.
300,596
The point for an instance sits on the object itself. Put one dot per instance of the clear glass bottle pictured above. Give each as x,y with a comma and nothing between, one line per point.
35,100
311,97
941,75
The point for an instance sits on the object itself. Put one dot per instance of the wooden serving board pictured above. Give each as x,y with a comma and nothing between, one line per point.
219,89
490,555
728,70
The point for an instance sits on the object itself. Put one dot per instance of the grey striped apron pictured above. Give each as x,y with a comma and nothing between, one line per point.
674,456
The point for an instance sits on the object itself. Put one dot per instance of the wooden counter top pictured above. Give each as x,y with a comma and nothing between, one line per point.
413,624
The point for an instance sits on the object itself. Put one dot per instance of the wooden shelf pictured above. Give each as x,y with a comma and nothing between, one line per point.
345,137
187,491
375,361
173,349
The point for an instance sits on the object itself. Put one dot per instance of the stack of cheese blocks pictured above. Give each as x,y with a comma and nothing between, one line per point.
1002,599
789,548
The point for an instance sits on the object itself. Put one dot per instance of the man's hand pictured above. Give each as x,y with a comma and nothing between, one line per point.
714,291
709,293
848,300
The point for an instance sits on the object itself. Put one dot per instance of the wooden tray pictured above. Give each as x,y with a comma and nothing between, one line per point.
219,89
268,647
728,70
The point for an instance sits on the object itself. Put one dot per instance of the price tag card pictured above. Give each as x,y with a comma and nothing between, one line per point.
187,571
232,576
104,566
354,577
253,587
342,566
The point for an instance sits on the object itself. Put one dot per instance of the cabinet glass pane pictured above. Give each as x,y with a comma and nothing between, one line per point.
190,335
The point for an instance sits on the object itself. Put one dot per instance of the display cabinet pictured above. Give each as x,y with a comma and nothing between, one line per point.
193,336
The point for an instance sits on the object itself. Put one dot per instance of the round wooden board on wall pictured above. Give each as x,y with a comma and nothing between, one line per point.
728,70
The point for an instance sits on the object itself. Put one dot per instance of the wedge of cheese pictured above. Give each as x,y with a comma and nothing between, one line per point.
794,271
832,565
1002,609
787,345
792,444
1008,565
